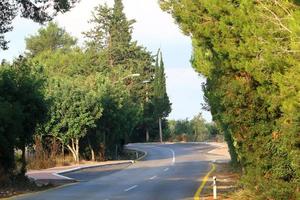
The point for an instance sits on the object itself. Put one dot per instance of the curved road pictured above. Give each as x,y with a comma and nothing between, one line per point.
168,172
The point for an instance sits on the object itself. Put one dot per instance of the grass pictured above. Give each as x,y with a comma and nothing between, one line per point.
48,162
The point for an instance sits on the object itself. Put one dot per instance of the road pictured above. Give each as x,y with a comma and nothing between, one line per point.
168,172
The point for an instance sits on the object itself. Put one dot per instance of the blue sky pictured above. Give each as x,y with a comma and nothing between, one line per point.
154,29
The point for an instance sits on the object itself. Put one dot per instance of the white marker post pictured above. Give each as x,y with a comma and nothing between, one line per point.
215,187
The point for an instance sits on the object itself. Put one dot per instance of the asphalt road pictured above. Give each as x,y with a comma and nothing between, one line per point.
168,172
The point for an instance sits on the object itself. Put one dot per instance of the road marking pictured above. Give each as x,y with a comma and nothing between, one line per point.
153,177
198,192
131,188
166,169
173,154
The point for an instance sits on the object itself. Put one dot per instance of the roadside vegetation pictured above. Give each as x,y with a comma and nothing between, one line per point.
62,103
249,52
194,130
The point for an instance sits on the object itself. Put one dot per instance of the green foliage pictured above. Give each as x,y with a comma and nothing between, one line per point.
249,52
36,11
195,130
51,38
95,102
162,105
22,109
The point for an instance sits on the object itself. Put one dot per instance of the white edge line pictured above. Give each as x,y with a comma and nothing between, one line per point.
61,176
131,188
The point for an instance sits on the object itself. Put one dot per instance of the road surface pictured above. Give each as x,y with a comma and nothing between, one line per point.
168,172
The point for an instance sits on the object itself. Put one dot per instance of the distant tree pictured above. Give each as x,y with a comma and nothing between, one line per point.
199,128
112,31
183,127
37,10
50,38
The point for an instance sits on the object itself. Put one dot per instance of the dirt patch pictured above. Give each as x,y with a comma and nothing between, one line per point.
20,185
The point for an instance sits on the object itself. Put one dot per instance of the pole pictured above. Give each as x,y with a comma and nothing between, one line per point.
215,187
160,130
116,152
147,100
147,135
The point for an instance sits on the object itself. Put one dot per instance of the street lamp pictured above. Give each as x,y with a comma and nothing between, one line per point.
147,100
130,76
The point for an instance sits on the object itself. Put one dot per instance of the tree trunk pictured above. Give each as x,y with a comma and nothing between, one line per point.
147,135
63,150
23,159
77,150
74,149
160,130
91,149
73,152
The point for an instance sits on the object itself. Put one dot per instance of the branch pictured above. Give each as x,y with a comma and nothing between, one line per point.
276,17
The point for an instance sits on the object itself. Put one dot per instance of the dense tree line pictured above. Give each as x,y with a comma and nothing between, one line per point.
249,52
193,130
91,100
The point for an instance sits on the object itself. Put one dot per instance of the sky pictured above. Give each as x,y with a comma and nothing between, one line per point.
153,29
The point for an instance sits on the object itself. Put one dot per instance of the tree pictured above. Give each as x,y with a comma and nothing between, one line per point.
114,54
162,105
198,124
112,31
39,11
75,106
74,111
23,108
51,38
6,19
247,50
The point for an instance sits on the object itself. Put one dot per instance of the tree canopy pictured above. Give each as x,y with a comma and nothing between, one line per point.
249,52
37,10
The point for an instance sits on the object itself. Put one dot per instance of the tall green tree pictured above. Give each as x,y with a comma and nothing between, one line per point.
162,105
247,49
110,40
23,109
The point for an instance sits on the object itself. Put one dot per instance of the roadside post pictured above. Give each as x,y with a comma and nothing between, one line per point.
215,187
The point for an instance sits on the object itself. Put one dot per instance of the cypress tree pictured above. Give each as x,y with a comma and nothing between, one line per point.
161,100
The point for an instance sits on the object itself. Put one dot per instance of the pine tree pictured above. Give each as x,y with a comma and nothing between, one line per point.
249,52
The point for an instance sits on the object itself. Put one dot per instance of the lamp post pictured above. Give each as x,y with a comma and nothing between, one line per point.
122,79
147,100
130,76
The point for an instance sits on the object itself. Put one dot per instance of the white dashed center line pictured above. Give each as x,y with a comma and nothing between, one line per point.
153,177
131,188
166,169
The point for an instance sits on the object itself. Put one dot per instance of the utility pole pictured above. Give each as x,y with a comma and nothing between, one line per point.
147,100
160,130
